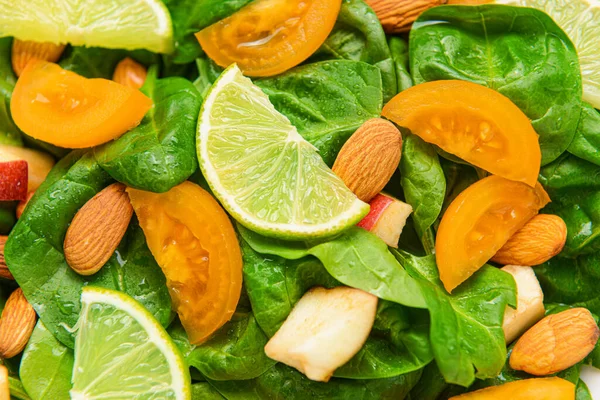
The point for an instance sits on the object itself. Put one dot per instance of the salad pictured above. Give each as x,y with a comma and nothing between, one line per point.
299,199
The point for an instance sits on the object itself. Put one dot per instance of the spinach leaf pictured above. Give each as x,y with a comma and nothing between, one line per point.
520,52
424,186
17,391
400,55
284,383
458,178
356,258
160,152
582,392
466,326
326,101
8,218
98,62
208,72
430,386
9,133
46,366
358,36
34,251
204,391
586,143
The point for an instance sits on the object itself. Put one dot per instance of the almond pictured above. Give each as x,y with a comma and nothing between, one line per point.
542,238
130,73
369,158
555,343
97,230
4,272
398,15
4,385
24,51
16,325
23,203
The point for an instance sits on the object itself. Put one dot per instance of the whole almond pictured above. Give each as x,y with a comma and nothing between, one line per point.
24,51
398,15
542,238
555,343
97,230
369,158
130,73
4,385
23,203
16,324
4,271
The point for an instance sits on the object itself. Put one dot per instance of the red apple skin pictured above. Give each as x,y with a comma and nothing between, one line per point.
13,180
378,206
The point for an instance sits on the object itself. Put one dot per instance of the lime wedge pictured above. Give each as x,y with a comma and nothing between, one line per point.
122,352
580,19
265,174
118,24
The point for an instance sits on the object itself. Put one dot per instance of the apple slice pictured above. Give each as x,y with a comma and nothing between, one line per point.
13,180
326,328
387,218
39,163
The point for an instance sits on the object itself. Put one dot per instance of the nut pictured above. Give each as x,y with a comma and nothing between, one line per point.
130,73
398,15
369,158
97,230
24,51
557,342
16,325
23,203
542,238
4,272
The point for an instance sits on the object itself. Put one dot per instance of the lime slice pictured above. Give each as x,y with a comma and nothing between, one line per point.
265,174
122,352
117,24
580,19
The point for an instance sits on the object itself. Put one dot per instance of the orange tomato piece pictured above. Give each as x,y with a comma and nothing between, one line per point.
268,37
193,241
527,389
68,110
473,122
479,222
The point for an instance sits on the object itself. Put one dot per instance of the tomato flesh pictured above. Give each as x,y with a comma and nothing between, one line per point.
554,388
472,122
68,110
193,241
479,222
268,37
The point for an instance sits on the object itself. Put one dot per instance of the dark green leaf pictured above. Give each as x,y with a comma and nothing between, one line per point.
8,219
586,143
431,384
208,72
520,52
97,62
204,391
9,133
400,55
458,178
582,392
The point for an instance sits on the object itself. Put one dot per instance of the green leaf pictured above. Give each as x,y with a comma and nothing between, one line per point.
34,251
46,366
327,101
400,55
204,391
458,178
208,72
9,133
17,391
97,62
160,153
8,219
430,386
586,143
520,52
466,321
356,258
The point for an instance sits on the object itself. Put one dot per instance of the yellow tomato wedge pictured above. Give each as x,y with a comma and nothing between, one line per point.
527,389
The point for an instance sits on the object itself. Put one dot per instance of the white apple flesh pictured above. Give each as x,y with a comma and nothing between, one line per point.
591,376
386,218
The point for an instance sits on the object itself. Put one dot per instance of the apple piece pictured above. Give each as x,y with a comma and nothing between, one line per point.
39,163
13,180
530,303
386,218
591,377
326,328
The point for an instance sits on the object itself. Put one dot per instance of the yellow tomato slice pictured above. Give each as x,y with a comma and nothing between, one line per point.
193,241
479,222
68,110
475,123
527,389
268,37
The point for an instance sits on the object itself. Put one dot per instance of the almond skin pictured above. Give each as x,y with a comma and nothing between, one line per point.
4,272
24,51
16,325
97,230
555,343
369,158
542,238
397,16
130,73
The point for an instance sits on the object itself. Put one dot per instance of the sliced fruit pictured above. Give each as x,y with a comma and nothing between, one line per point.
326,328
264,173
68,110
268,37
530,303
116,24
475,123
122,351
526,389
13,180
479,222
386,218
39,164
194,243
591,377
